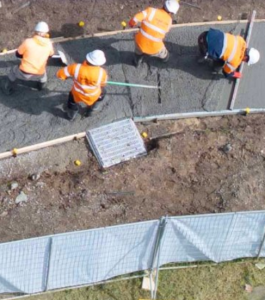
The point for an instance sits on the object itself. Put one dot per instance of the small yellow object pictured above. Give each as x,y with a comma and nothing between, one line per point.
123,24
77,162
247,110
4,50
144,134
14,151
219,18
81,24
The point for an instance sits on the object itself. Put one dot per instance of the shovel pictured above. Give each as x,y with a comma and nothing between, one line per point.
61,56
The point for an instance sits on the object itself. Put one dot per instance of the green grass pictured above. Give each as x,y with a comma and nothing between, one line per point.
225,281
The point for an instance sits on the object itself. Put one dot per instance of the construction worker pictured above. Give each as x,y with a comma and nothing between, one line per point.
227,51
34,53
155,23
89,78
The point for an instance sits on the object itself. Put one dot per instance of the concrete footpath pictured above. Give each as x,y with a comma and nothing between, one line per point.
29,116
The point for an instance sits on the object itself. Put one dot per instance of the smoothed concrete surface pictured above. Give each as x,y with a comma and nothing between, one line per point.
29,117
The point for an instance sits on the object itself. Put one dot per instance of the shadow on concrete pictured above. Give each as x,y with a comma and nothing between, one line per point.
28,100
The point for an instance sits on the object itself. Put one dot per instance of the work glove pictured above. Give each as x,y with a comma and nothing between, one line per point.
132,23
237,75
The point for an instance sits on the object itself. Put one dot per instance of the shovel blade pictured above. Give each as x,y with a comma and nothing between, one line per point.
63,58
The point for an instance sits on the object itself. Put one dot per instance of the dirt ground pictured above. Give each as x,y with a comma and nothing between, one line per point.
196,166
18,17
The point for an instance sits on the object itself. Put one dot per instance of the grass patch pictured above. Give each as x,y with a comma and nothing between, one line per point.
206,282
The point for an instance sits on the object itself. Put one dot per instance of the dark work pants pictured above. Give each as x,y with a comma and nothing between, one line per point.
72,105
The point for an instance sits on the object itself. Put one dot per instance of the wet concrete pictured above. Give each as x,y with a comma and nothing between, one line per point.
29,116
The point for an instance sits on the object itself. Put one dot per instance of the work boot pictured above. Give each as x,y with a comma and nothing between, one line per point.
138,59
8,87
41,85
165,60
71,114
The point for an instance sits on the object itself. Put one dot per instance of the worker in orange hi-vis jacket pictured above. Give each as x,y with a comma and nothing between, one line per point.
155,23
89,78
34,53
227,51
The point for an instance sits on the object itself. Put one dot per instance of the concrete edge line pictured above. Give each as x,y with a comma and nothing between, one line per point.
15,152
62,39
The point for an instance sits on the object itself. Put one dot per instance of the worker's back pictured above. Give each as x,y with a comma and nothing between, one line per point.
88,80
234,52
155,23
35,52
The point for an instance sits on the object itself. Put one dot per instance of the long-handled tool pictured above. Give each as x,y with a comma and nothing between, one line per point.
62,57
133,85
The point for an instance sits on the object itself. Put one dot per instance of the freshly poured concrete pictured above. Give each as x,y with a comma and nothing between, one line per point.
29,117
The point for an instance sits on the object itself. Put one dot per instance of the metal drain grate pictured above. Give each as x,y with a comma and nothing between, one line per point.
116,142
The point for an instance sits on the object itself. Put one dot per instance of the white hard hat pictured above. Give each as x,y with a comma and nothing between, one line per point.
254,56
172,6
96,58
42,27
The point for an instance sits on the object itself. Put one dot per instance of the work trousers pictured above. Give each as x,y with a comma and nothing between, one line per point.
72,105
16,73
162,54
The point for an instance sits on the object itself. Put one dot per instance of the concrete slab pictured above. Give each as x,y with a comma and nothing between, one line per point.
29,117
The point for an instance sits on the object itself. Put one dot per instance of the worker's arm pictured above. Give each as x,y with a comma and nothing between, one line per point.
138,18
66,72
21,49
18,55
104,79
229,71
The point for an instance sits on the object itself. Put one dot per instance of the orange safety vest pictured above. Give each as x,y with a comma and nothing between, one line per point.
35,52
233,52
88,81
155,23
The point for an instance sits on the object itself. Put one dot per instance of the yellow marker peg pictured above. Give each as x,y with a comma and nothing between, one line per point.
219,18
4,50
247,110
77,162
81,24
144,135
14,152
123,24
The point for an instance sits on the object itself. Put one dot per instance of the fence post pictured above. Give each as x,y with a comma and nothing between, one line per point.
46,279
261,245
156,255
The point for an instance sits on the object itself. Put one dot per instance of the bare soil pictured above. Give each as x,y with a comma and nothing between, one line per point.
18,17
193,166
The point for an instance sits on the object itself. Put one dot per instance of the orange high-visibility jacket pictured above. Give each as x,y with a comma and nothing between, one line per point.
233,52
155,23
36,52
88,81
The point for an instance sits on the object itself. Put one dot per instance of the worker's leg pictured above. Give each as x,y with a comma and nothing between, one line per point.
163,54
203,47
202,43
96,105
72,107
218,65
42,82
138,56
10,82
